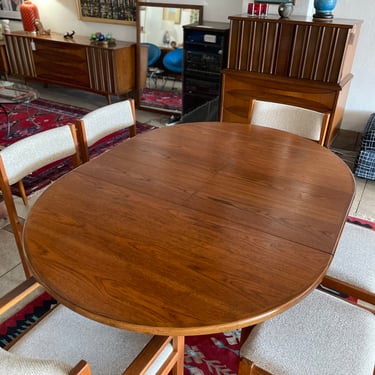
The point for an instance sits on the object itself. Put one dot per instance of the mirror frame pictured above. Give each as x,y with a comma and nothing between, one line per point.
139,5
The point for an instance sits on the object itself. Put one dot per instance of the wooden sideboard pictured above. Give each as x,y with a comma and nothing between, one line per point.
296,61
4,68
72,62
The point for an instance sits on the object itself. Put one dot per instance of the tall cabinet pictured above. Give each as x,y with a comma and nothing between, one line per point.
205,55
296,61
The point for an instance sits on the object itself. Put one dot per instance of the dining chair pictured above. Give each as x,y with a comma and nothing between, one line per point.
173,60
301,121
173,63
352,270
28,155
105,121
153,54
63,342
322,334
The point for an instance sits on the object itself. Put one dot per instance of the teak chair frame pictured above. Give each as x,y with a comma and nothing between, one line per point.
110,126
340,286
5,183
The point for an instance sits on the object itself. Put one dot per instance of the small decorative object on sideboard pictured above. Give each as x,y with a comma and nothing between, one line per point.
69,35
286,9
256,9
40,28
324,8
29,13
102,40
6,27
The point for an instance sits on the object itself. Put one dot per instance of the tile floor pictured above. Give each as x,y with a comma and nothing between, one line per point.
11,273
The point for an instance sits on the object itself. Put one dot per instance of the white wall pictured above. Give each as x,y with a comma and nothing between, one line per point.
62,16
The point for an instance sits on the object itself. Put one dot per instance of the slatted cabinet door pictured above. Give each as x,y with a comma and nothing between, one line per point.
77,63
294,60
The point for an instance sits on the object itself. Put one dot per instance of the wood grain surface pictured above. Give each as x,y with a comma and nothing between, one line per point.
191,229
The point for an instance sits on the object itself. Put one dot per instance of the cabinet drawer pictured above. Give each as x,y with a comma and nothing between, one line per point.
57,62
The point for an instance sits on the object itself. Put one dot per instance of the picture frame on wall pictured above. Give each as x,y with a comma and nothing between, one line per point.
172,14
110,11
9,9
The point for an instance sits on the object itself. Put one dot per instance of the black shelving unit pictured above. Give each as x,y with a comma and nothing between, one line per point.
205,55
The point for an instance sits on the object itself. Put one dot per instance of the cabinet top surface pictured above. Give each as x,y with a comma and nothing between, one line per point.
297,19
207,25
76,40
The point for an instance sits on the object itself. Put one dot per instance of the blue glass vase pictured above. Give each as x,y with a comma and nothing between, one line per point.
324,8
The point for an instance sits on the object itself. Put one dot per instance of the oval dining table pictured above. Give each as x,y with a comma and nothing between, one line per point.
191,229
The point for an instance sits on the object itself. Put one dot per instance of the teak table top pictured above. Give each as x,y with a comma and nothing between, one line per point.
191,229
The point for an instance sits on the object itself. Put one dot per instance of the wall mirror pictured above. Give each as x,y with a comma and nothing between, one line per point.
160,53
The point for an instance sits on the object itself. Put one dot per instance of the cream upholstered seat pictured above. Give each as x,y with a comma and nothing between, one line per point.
320,335
301,121
352,270
69,337
104,121
62,339
28,155
12,364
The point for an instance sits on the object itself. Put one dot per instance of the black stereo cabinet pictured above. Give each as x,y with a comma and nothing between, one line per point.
205,55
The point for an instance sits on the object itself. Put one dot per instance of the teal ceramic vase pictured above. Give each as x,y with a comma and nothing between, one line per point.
324,8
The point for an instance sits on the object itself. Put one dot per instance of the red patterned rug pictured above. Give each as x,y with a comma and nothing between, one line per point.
170,100
43,115
39,115
361,222
212,354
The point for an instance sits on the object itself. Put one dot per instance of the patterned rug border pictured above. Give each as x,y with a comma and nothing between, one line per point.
25,318
53,106
362,222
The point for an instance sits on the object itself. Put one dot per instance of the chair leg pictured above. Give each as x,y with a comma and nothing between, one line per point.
82,368
247,367
343,287
178,346
18,294
245,332
22,192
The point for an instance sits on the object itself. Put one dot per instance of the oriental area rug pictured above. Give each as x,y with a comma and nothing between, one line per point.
216,354
170,100
42,115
